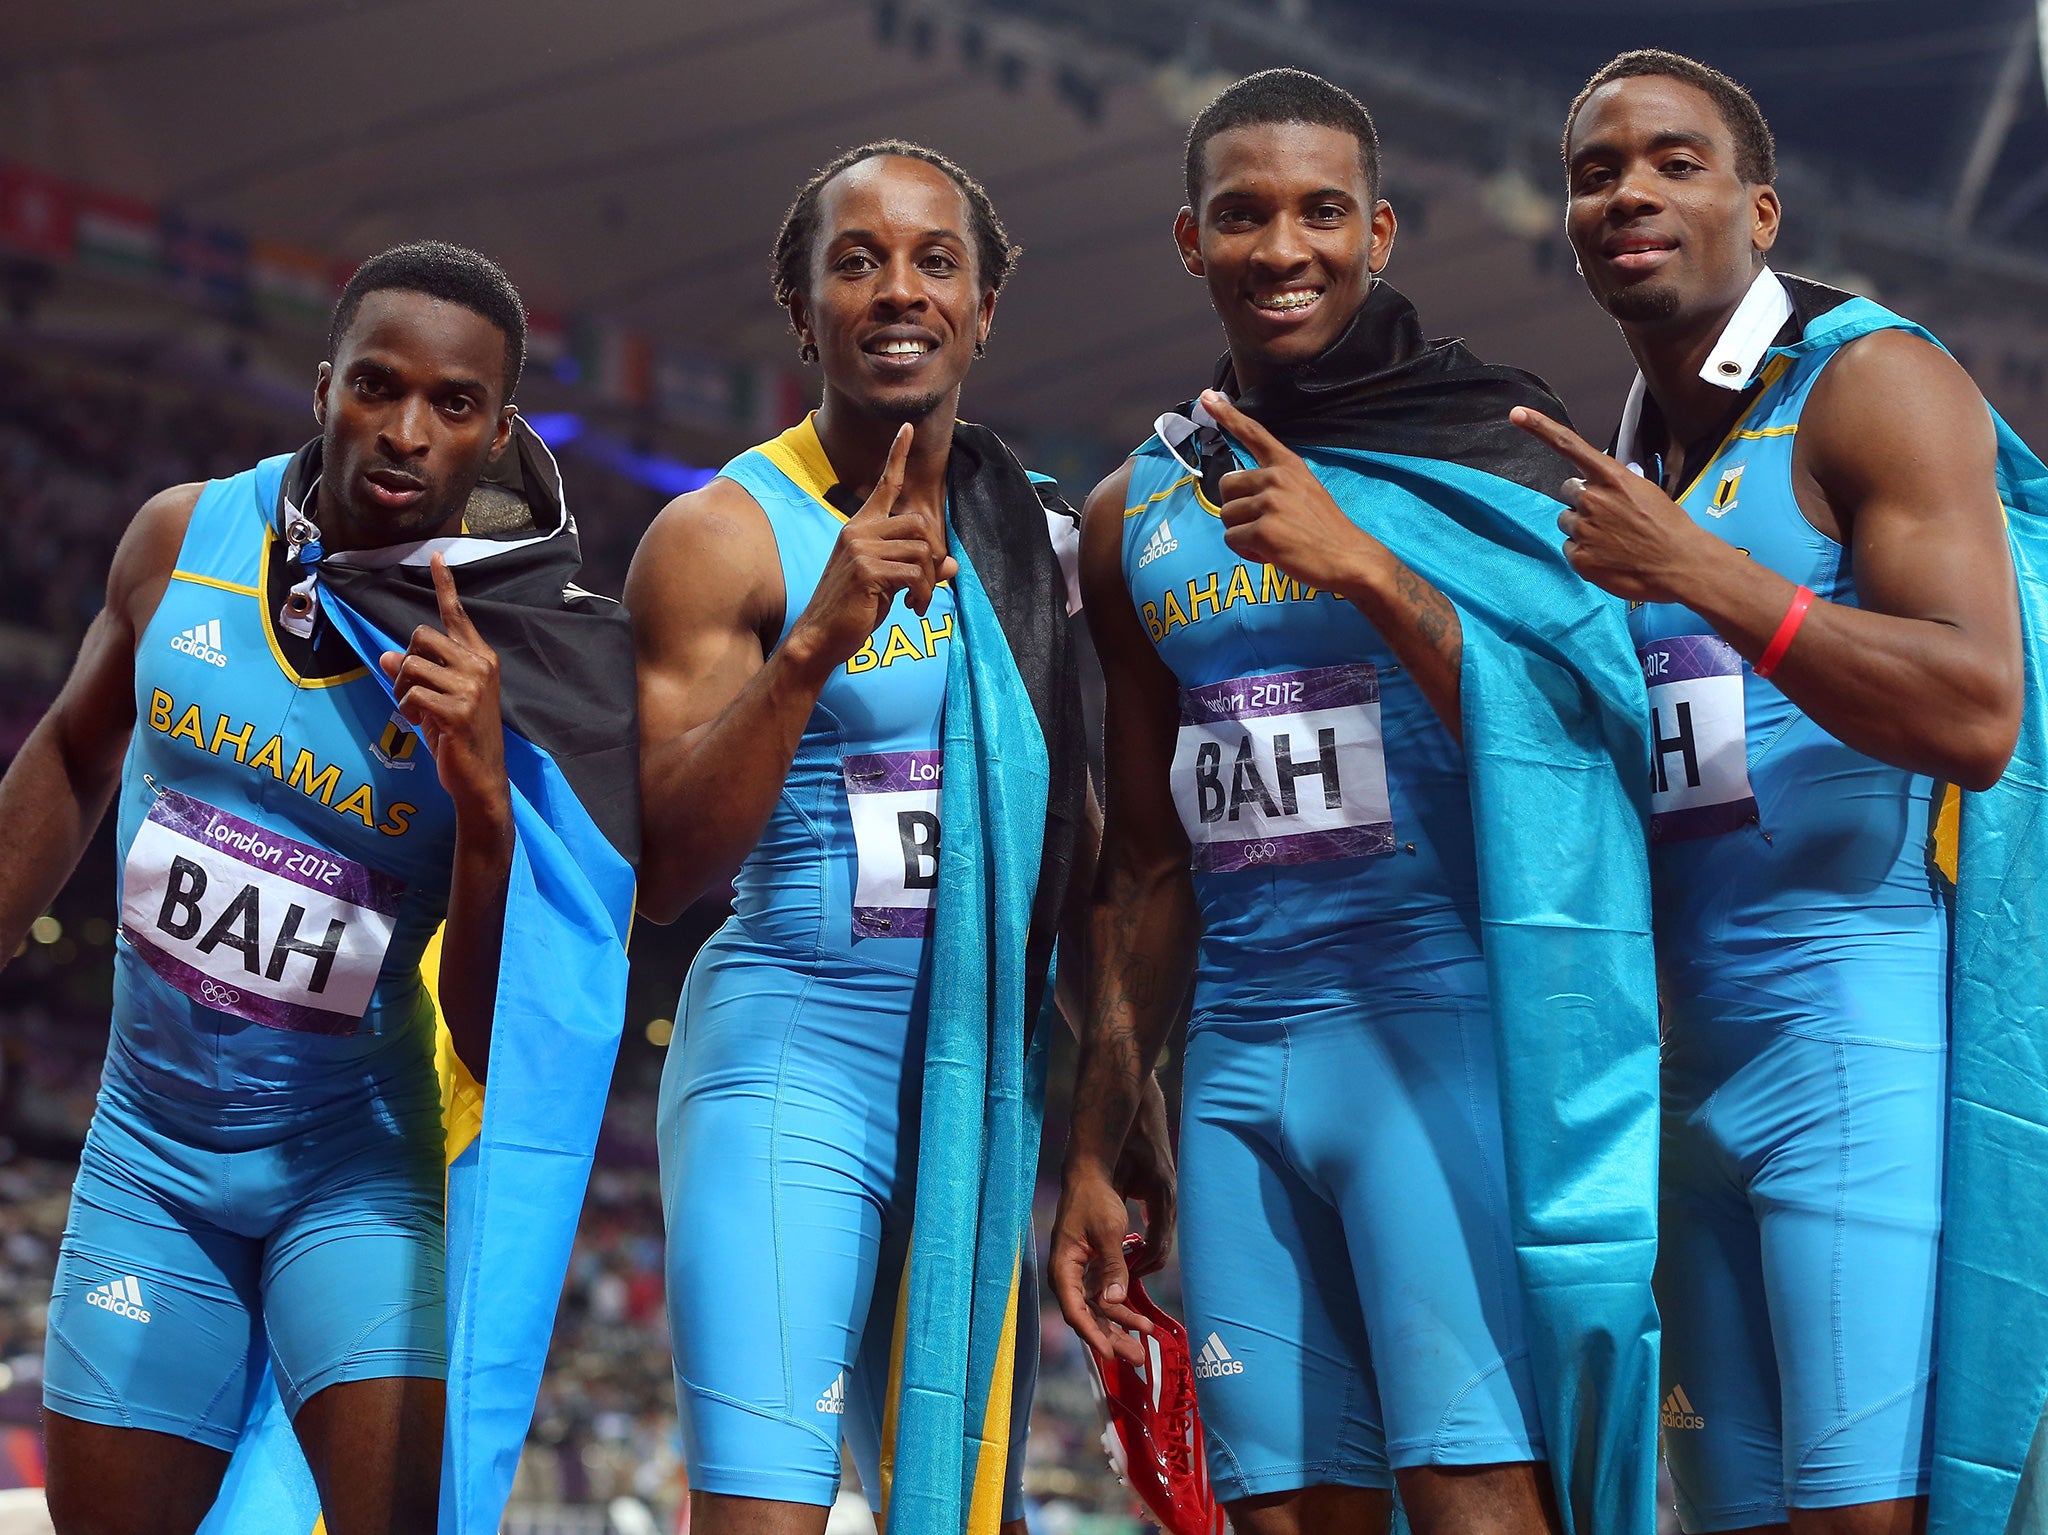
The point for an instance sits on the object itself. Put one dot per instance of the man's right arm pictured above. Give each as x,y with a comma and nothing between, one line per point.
719,719
721,711
60,782
1142,932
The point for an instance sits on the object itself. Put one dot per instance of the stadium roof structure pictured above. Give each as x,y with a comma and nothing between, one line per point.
634,159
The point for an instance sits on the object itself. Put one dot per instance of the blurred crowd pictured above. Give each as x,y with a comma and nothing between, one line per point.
84,441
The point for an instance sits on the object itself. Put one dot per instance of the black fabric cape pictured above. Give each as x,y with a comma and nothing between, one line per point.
565,655
998,515
1380,387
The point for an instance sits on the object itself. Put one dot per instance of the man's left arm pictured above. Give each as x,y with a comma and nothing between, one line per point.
446,681
1925,672
1145,1168
1281,514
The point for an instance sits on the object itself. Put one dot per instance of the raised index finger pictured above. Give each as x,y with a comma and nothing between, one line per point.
453,620
1266,449
1565,442
882,501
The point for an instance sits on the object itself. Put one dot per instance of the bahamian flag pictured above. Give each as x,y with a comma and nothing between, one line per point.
1411,438
519,1153
1554,718
1991,1295
1009,801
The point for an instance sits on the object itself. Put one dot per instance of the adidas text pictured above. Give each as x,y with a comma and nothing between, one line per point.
201,642
1161,542
123,1297
1215,1360
834,1399
1678,1411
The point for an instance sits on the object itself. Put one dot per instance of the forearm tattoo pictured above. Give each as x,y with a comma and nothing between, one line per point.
1433,616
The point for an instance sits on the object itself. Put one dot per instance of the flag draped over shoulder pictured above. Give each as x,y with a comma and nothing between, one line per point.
1991,1293
1412,440
519,1153
1010,800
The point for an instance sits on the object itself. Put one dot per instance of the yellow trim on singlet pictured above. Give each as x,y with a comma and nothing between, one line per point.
1132,511
1769,431
215,581
1769,377
799,454
1187,479
277,651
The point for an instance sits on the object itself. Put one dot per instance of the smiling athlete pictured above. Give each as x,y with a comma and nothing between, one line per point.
801,624
1812,514
1354,700
264,1170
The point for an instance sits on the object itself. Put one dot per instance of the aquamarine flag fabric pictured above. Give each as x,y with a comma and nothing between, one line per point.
978,1139
1556,745
1991,1297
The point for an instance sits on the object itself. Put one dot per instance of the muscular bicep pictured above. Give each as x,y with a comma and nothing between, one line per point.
1141,711
1901,446
699,593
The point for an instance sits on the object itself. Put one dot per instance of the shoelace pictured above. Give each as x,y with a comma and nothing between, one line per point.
1179,1416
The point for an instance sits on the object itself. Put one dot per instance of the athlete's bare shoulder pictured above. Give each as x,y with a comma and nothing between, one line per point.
1884,363
148,553
1110,492
1102,519
708,556
1891,408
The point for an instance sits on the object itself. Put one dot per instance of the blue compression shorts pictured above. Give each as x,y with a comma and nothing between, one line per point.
182,1263
1804,1113
788,1129
1350,1279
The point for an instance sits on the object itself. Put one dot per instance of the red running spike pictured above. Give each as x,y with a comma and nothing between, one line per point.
1154,1433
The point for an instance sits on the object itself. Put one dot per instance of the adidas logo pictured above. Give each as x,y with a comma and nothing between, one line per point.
1215,1360
834,1399
202,642
1678,1411
123,1297
1161,542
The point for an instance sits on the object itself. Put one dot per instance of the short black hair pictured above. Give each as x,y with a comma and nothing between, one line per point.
995,253
454,273
1756,152
1284,96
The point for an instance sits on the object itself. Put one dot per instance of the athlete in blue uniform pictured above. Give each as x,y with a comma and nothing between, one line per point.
793,620
1286,783
1822,596
263,1172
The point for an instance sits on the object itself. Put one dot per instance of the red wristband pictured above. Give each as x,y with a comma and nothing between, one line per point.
1788,626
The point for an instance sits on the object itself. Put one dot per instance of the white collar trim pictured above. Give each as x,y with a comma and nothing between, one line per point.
1731,365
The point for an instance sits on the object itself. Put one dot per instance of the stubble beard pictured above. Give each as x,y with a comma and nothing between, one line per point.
1644,303
912,410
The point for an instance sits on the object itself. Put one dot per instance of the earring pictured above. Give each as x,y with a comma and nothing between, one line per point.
808,352
980,347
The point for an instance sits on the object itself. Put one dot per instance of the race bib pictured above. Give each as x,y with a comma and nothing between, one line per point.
1288,768
250,922
1699,743
894,797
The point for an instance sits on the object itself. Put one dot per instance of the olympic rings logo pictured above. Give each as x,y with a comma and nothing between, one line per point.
1260,852
213,994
